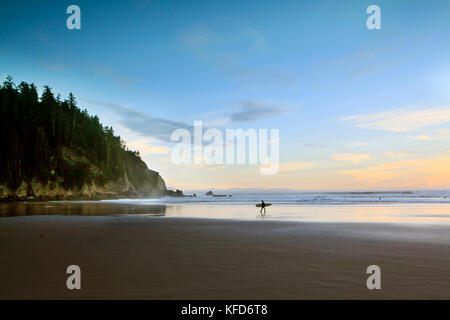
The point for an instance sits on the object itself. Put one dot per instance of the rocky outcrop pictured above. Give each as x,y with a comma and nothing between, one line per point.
211,194
137,182
52,149
37,190
176,193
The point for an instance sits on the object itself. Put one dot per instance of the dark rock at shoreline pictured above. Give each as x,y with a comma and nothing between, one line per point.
177,193
211,194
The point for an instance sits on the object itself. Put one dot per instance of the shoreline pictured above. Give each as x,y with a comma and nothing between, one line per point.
198,258
100,197
408,214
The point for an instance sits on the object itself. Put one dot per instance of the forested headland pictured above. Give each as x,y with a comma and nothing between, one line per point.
51,149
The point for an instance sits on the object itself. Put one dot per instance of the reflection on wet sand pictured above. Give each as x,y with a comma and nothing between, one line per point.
79,209
438,214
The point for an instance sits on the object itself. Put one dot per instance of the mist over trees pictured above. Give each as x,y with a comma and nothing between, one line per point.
36,132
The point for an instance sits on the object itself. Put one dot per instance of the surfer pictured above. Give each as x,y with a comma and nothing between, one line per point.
263,206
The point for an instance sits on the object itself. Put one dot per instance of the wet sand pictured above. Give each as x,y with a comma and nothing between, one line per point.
180,258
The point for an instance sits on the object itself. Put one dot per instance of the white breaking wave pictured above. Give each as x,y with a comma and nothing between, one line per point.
309,198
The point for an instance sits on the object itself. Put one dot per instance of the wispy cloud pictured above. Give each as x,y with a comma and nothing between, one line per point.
398,155
401,120
143,123
198,37
202,36
254,110
426,173
245,111
423,137
160,128
212,45
252,34
355,158
371,176
294,166
439,134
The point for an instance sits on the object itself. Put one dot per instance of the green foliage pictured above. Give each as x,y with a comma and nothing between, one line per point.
74,174
36,132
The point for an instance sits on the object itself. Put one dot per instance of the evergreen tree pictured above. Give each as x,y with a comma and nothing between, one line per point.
37,134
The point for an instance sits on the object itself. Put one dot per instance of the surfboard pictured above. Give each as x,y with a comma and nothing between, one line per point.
259,205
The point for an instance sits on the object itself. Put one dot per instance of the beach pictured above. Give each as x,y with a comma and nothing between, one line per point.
144,257
224,150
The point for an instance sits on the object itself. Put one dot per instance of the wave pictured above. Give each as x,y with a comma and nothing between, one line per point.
311,198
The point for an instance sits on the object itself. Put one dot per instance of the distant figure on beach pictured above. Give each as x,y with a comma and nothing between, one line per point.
263,206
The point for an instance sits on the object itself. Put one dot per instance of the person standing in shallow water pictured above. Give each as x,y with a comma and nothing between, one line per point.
263,206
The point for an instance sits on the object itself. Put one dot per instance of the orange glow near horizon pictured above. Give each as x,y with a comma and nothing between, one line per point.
397,175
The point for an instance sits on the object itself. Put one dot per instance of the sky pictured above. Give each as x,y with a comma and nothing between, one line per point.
356,109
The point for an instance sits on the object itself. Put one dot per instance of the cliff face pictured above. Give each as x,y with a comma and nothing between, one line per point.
51,149
137,181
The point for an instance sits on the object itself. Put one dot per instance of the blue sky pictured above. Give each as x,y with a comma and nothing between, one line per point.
345,98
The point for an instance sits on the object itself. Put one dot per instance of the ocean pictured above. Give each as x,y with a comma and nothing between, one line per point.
312,198
408,207
411,207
